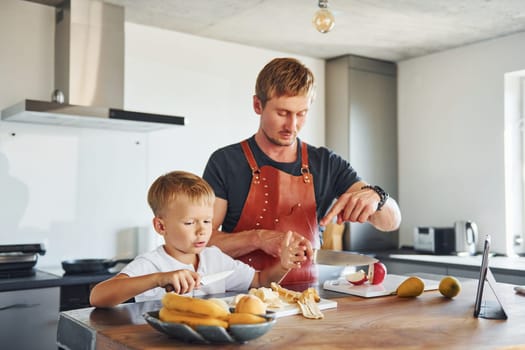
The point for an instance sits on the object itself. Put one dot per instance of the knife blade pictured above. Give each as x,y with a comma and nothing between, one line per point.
214,277
341,258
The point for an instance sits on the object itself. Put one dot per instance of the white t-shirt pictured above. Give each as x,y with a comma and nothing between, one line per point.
211,260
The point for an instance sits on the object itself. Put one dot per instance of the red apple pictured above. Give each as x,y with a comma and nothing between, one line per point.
357,278
376,273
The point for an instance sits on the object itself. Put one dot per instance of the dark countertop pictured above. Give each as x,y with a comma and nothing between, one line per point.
46,279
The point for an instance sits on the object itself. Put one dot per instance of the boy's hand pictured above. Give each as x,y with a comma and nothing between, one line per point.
294,251
179,281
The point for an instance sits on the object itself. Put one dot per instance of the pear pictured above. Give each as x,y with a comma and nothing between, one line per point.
411,287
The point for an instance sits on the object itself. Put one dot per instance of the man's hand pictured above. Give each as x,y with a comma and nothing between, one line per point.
354,206
360,205
293,251
272,241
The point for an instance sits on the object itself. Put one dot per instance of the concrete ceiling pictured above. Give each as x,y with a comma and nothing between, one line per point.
392,30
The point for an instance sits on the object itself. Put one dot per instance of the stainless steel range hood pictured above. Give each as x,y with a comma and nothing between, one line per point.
89,73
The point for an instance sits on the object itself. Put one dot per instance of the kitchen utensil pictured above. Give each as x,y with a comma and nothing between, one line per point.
90,265
17,257
214,277
237,333
466,236
23,248
17,261
341,258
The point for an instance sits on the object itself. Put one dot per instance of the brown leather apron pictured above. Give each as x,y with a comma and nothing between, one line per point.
282,202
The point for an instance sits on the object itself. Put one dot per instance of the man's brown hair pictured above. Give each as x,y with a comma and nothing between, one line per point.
284,77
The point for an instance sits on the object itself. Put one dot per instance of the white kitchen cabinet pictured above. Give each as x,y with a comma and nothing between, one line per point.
361,126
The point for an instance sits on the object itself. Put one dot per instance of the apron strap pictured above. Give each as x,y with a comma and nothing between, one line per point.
251,161
305,170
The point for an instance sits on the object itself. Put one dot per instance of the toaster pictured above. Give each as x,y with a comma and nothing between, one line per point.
435,240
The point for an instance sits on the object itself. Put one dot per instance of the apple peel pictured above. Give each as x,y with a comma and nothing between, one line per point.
376,273
357,278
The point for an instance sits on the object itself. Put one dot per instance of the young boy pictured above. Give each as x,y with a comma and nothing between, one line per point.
182,204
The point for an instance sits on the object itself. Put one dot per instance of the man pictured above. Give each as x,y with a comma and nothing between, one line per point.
273,182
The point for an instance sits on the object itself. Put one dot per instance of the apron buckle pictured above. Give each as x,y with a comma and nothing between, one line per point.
256,175
306,174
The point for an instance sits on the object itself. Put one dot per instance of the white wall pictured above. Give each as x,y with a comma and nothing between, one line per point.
82,191
209,82
451,137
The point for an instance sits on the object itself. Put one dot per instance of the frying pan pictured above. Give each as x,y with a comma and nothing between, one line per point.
91,265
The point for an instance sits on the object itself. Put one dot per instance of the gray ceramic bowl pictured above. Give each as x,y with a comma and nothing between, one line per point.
239,333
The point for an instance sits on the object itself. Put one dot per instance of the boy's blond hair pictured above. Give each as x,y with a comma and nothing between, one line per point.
284,77
168,187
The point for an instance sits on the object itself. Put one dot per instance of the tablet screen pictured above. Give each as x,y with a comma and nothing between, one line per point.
482,276
491,309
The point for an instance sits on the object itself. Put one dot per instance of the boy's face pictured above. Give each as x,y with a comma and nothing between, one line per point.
186,228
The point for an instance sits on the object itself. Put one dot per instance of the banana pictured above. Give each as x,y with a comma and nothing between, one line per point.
203,307
288,295
221,303
195,312
306,300
245,318
292,296
310,293
191,319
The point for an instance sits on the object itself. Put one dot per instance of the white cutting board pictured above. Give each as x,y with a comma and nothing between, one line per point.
367,290
293,309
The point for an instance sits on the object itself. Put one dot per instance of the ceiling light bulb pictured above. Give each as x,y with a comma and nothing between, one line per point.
323,19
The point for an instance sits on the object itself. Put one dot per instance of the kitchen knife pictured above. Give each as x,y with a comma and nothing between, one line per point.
214,277
341,258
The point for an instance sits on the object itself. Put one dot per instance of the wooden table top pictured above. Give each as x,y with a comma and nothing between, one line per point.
428,321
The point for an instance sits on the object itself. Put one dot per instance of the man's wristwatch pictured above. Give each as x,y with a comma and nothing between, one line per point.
381,192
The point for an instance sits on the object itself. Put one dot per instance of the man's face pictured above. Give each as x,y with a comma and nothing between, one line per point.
282,118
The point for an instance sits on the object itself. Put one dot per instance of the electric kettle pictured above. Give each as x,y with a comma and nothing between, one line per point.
466,237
